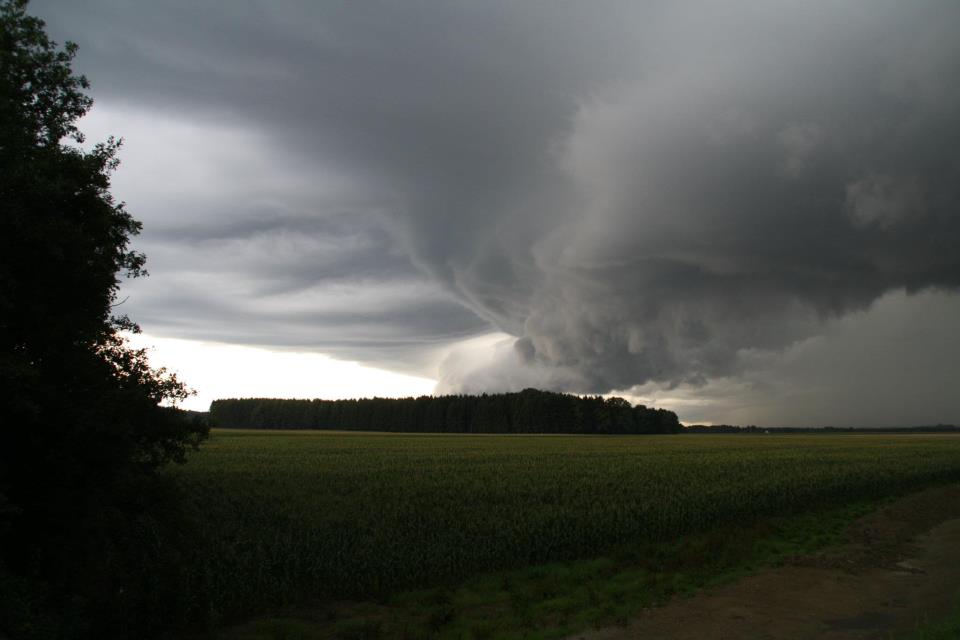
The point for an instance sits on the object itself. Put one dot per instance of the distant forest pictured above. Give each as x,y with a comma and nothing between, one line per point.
728,428
529,411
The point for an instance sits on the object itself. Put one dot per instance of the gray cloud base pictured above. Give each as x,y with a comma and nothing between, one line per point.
635,193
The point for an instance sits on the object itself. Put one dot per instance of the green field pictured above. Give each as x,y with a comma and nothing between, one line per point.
292,516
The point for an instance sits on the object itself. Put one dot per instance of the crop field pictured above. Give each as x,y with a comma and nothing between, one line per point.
297,514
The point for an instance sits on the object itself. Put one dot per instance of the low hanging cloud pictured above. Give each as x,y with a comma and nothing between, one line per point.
627,193
887,366
737,202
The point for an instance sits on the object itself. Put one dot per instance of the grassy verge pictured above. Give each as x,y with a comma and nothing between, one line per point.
945,629
557,599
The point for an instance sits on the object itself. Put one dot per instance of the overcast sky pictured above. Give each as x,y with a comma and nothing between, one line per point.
743,211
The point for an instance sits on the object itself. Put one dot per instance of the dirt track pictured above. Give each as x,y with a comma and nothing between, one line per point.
902,566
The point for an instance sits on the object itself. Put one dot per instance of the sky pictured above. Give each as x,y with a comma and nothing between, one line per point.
744,211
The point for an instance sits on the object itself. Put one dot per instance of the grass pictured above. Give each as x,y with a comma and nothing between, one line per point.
469,536
947,628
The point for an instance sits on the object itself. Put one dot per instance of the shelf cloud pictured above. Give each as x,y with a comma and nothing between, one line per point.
622,194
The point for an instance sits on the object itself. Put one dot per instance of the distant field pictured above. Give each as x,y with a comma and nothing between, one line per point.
288,515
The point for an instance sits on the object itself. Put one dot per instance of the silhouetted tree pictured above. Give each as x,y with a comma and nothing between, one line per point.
83,425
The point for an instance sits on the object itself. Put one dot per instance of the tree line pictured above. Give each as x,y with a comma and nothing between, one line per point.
729,428
528,411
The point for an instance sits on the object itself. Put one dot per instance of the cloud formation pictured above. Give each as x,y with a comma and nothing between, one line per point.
742,192
634,193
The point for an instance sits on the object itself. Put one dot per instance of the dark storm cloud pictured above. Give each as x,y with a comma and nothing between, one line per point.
330,283
890,366
635,192
295,251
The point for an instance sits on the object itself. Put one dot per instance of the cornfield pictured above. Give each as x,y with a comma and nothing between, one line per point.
292,515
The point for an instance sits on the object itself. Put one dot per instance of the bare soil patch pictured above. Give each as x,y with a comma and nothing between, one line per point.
900,567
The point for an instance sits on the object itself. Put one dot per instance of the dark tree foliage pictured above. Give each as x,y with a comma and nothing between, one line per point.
529,411
83,425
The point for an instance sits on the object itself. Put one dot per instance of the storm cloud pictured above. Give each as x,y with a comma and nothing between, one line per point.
634,193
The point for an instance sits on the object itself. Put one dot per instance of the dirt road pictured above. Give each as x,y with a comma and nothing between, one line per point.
902,566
